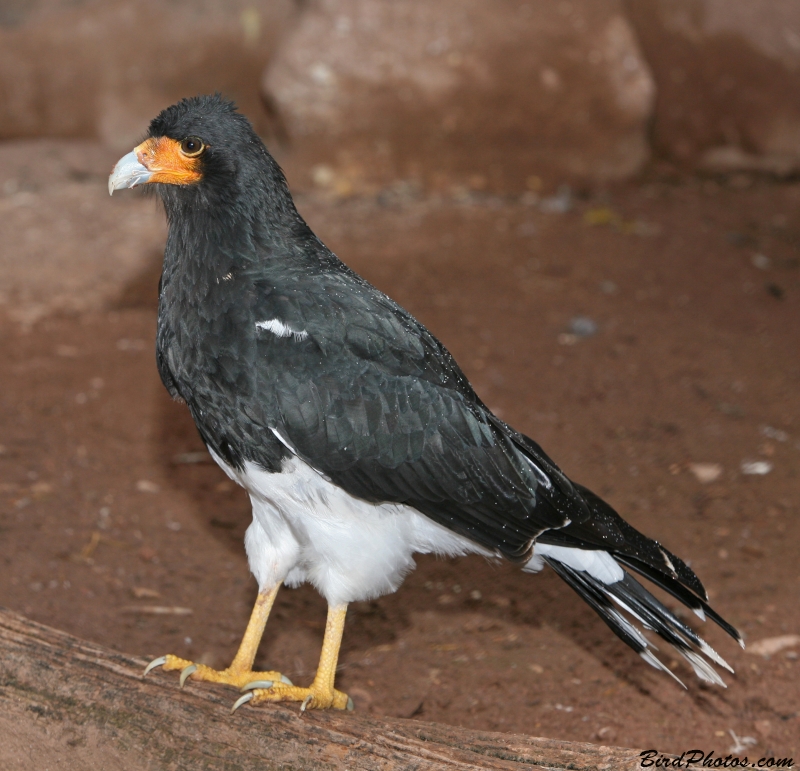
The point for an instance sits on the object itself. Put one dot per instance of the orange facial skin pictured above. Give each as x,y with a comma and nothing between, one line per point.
163,156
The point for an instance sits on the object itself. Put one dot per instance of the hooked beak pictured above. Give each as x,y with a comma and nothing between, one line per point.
158,159
128,172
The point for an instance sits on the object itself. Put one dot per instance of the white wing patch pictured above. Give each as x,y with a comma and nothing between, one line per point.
283,441
279,329
541,477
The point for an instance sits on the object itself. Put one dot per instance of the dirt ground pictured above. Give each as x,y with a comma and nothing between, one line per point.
109,506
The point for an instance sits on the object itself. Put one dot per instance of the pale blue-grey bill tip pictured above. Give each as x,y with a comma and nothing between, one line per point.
128,173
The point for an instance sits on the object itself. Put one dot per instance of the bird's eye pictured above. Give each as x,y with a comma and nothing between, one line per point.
192,147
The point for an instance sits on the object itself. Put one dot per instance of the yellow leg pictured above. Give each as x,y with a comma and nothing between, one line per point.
240,672
321,694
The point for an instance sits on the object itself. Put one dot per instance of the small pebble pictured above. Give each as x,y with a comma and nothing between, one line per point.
560,203
583,326
769,646
142,592
756,467
706,473
774,290
774,433
608,287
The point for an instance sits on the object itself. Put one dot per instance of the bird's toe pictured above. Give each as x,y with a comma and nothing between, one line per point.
233,676
186,672
309,698
159,662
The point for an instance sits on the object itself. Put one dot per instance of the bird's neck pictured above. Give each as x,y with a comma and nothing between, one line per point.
208,236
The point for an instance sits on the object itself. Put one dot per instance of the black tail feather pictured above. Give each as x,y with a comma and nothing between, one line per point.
680,593
609,532
603,530
645,549
628,595
591,593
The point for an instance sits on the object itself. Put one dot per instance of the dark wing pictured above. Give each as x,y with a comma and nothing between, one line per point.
367,396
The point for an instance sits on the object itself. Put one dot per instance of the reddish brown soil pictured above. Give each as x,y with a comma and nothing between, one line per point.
696,353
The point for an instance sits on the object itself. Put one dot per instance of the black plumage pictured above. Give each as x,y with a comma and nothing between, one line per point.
282,352
370,397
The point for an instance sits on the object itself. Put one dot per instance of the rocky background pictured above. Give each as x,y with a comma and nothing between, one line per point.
595,204
435,93
367,96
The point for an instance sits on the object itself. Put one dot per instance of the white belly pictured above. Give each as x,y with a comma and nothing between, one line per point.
305,528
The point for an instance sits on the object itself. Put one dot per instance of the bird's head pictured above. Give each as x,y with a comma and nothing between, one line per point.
200,152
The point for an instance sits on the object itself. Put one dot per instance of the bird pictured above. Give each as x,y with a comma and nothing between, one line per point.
355,433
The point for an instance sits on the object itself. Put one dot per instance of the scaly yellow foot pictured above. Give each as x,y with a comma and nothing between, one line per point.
236,677
240,672
315,697
321,694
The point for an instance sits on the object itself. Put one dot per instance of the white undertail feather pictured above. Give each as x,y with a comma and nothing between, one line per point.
598,564
305,528
625,607
632,630
653,661
702,644
714,656
702,668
